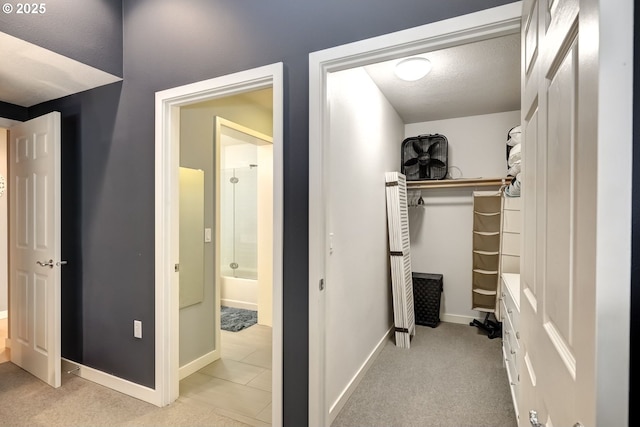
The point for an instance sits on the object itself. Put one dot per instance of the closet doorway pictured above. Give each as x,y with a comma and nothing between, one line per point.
347,189
237,373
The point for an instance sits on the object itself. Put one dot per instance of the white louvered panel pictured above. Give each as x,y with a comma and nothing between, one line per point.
408,293
399,245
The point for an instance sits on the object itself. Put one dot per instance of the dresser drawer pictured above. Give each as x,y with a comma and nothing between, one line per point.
512,317
512,369
510,349
510,344
510,336
512,321
510,309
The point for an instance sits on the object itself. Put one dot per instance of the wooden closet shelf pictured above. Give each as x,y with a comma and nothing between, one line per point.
460,182
484,291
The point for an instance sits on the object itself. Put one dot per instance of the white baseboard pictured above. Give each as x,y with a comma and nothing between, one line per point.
239,304
456,318
353,384
4,314
197,364
118,384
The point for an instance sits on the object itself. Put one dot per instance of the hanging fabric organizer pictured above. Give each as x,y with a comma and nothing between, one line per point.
487,208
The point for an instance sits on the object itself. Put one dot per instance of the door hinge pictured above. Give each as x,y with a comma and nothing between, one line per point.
176,268
321,284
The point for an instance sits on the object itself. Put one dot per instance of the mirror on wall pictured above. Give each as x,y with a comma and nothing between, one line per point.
191,236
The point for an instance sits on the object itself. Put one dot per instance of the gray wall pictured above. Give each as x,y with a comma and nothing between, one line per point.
166,44
89,31
13,112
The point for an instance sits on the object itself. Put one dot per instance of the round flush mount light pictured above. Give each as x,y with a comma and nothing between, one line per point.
412,69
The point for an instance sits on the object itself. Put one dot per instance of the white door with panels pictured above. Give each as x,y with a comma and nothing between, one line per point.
557,368
34,246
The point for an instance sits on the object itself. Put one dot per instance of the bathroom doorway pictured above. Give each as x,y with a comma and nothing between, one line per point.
189,337
226,189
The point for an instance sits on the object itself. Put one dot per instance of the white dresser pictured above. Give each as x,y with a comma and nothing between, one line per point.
510,309
510,292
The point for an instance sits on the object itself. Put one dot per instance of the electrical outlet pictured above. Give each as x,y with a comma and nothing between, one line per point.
137,328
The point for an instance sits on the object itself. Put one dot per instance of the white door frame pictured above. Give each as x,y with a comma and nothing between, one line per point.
463,29
167,153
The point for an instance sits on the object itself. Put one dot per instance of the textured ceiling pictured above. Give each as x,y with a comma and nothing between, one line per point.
31,74
472,79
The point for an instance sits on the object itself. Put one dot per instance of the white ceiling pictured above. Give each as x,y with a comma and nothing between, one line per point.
31,74
466,80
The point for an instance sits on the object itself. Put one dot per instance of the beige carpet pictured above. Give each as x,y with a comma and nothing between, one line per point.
27,401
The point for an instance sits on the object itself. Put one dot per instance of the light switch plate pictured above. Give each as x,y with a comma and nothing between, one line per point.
137,329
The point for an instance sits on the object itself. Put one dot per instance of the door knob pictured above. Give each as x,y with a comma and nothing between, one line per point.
50,263
46,263
533,419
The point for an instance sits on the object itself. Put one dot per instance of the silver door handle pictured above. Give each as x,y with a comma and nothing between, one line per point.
533,419
46,263
50,263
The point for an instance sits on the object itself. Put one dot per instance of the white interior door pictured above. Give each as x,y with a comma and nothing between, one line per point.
557,371
34,244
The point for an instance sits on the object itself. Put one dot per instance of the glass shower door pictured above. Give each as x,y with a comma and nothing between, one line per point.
239,222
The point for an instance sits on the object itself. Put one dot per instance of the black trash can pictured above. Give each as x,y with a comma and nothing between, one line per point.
427,293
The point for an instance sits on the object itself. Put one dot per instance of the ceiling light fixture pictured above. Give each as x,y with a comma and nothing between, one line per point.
412,69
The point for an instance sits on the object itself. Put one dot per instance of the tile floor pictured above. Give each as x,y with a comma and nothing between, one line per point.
237,385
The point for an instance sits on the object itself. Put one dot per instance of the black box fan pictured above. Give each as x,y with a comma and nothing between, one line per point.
425,157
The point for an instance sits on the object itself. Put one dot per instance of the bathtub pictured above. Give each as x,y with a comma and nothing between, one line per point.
239,293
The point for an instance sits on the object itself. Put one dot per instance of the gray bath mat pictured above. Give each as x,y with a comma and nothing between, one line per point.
236,319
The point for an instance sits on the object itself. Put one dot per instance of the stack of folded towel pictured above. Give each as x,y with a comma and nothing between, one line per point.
514,160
